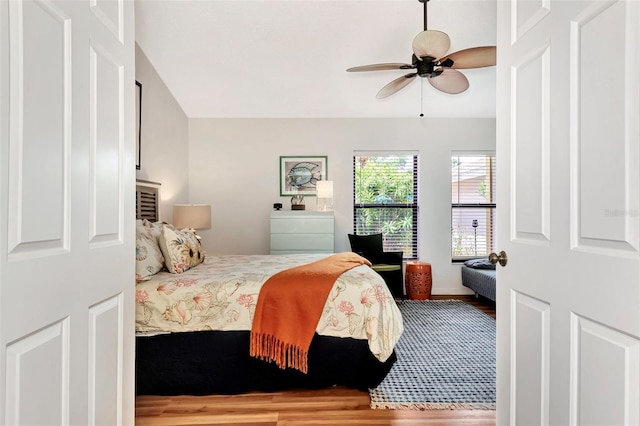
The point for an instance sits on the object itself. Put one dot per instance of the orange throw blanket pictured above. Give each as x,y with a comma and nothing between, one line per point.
289,307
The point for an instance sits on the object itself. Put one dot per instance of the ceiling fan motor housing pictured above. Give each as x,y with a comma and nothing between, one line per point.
426,66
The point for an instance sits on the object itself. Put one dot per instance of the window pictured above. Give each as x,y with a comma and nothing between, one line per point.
473,204
385,194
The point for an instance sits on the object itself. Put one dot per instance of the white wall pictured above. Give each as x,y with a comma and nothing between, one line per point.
234,166
164,138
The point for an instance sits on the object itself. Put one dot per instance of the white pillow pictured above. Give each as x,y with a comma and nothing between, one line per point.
149,259
181,249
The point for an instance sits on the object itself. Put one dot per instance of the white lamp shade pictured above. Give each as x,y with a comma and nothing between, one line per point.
196,216
324,189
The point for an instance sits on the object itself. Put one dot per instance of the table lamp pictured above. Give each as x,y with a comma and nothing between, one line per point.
324,194
192,216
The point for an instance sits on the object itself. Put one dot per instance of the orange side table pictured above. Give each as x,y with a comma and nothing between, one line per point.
418,280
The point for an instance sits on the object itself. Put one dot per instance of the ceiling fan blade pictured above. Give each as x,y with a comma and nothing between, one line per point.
396,85
431,43
475,57
450,81
381,67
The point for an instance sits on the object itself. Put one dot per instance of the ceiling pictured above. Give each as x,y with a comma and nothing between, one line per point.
268,58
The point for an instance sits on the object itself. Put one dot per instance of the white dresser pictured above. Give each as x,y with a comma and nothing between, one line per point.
301,231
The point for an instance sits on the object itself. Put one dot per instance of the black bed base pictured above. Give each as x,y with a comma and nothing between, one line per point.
218,362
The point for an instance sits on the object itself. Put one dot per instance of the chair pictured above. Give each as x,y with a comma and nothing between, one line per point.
386,263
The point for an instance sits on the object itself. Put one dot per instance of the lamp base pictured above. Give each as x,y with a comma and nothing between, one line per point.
297,206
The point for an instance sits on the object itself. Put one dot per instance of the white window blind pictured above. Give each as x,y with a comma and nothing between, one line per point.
473,204
385,191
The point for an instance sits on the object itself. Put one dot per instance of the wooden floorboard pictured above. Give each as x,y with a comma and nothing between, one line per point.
485,305
334,406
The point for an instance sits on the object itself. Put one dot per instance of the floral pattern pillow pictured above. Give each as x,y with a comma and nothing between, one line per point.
149,259
153,229
181,249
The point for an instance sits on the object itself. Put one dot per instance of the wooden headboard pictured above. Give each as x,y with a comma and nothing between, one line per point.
147,200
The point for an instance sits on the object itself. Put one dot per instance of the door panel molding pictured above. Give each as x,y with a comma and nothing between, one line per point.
111,15
524,18
37,368
591,343
530,362
605,200
105,361
40,101
106,148
530,117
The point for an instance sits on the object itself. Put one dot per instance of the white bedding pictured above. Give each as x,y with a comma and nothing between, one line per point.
221,294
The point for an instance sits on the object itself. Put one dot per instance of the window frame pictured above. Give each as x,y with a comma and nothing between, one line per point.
414,205
491,154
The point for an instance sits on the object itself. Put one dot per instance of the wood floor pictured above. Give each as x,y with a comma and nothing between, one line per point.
335,406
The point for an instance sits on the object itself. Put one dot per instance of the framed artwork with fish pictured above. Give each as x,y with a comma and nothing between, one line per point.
299,174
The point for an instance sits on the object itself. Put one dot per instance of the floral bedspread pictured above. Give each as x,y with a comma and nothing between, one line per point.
221,294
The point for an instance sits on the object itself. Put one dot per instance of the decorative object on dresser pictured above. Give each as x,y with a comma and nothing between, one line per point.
147,200
302,232
324,195
297,202
386,263
192,216
299,175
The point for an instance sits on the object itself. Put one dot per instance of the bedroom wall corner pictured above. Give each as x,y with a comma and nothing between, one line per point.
164,129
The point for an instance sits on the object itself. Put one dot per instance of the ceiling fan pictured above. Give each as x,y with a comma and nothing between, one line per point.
429,60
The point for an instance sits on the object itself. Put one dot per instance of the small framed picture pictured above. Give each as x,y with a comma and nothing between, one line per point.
299,174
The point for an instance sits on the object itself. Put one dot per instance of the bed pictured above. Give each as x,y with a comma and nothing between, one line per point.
480,276
193,327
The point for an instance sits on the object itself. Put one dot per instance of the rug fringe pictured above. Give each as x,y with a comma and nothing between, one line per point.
431,406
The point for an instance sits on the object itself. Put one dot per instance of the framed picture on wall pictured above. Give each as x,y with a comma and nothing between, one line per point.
138,121
299,174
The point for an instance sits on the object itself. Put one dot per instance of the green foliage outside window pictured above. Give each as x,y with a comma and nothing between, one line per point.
384,196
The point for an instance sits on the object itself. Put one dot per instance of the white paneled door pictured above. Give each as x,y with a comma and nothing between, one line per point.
569,220
66,212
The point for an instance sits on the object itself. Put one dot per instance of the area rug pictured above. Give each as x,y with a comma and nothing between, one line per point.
446,359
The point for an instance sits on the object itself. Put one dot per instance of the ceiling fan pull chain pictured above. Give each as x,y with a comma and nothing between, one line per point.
421,93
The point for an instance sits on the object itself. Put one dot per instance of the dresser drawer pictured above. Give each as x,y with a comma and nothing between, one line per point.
302,226
310,243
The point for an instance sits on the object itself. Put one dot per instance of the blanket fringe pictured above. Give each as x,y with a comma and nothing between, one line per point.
268,348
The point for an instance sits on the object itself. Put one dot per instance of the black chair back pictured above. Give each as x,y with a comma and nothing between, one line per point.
368,246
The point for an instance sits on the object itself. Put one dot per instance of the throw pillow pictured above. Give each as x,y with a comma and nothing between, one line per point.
149,260
480,264
181,249
150,228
